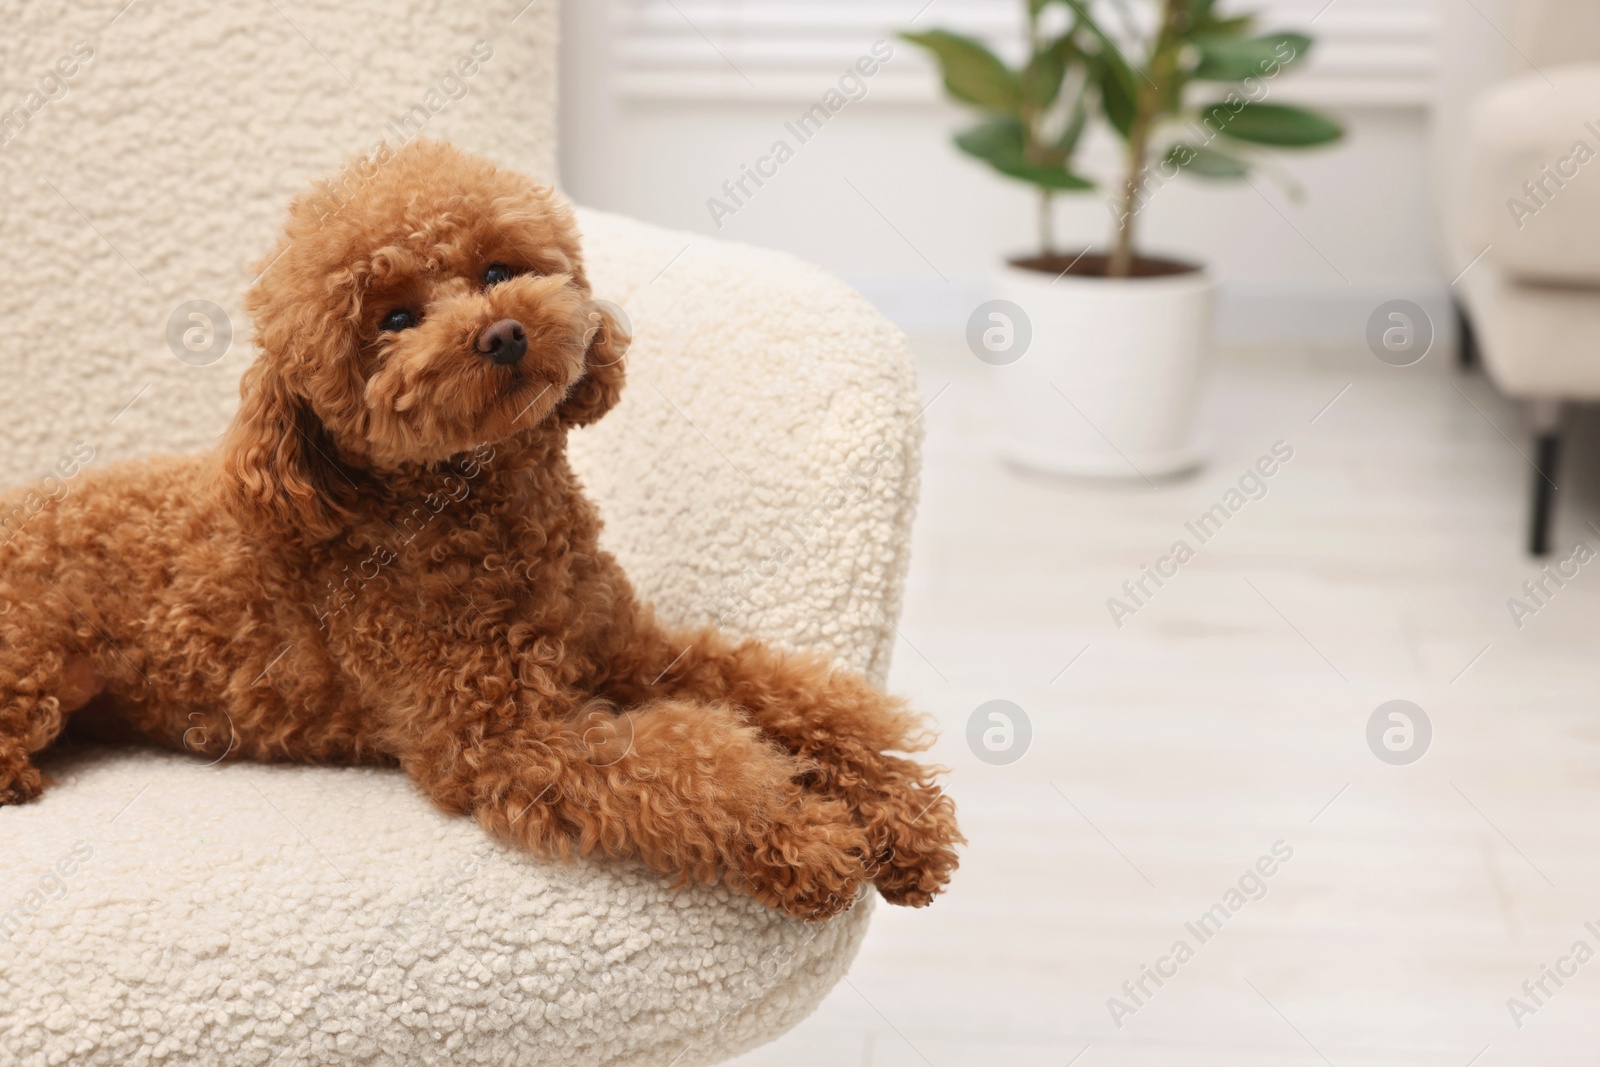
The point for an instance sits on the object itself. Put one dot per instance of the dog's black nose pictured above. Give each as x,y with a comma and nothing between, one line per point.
505,342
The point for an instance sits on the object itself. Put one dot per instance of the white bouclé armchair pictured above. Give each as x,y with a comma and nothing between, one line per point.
760,470
1517,173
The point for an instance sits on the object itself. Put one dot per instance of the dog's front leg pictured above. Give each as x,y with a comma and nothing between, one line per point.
691,790
831,718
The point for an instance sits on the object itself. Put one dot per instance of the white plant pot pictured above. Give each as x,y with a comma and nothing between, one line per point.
1109,382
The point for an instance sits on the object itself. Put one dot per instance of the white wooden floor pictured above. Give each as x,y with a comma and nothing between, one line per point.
1230,713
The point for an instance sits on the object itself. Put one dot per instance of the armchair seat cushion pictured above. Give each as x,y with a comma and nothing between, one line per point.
1537,340
160,911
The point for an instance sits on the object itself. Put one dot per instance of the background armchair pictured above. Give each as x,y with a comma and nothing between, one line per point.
760,471
1517,152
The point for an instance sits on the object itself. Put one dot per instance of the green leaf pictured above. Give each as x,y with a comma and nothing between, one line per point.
1046,70
1236,27
1119,103
1110,55
994,137
1077,120
972,73
1203,20
1057,178
1001,144
1207,163
1272,124
1228,59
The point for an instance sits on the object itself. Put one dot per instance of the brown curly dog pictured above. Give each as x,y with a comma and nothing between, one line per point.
389,560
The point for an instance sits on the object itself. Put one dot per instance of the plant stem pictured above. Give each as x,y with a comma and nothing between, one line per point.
1031,148
1121,265
1047,229
1162,70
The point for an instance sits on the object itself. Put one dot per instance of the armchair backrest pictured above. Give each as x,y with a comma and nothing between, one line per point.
147,151
1553,32
1481,43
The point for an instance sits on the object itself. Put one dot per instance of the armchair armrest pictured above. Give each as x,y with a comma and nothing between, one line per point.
760,472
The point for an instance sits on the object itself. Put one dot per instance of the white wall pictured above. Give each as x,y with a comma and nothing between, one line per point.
1361,237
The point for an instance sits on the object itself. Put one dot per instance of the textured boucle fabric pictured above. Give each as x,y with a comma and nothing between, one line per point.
158,911
158,172
760,471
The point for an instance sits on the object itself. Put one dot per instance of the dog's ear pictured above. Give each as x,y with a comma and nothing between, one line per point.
276,471
600,387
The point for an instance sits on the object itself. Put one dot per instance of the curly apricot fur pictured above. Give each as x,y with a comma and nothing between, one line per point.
390,561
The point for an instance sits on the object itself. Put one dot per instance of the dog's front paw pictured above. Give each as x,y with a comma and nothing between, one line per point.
916,834
810,864
21,785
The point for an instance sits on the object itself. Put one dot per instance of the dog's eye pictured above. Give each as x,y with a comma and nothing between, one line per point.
398,319
496,273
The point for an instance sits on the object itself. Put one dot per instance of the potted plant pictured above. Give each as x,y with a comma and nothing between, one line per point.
1109,383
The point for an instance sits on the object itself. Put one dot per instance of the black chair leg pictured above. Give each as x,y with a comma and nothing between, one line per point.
1544,492
1466,339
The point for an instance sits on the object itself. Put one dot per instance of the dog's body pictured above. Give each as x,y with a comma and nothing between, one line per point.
390,561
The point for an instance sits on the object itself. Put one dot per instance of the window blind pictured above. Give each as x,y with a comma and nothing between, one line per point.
1368,52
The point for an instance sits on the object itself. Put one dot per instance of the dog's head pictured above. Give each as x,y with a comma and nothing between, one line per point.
420,303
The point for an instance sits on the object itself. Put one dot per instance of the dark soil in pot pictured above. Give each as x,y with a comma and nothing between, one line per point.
1093,265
